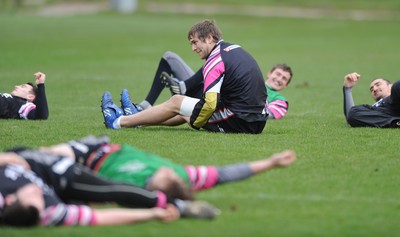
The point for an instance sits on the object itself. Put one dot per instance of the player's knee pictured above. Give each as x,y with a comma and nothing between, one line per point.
169,55
175,102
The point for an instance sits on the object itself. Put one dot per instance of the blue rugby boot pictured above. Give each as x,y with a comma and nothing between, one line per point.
110,110
127,105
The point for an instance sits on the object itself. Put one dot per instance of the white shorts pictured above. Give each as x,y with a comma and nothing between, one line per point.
187,106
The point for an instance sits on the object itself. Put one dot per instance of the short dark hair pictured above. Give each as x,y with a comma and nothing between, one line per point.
34,88
387,81
20,216
179,190
174,189
205,28
285,68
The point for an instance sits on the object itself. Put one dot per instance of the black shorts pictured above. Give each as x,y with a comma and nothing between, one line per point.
236,125
369,116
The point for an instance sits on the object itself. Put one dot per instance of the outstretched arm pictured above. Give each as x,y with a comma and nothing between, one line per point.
235,172
120,216
282,159
82,215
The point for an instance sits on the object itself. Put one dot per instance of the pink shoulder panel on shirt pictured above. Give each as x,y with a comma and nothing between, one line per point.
26,109
213,68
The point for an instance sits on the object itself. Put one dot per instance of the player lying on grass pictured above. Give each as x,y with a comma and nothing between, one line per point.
29,206
128,164
174,73
56,184
385,113
26,101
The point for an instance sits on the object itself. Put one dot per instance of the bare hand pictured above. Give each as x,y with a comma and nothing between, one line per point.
10,158
40,77
284,158
169,214
351,79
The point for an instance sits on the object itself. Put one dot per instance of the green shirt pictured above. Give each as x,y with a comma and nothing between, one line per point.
274,95
131,165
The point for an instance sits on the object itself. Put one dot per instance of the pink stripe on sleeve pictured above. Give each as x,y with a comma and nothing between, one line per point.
278,108
202,177
212,177
26,109
162,199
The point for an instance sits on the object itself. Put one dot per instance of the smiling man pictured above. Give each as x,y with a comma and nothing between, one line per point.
278,78
384,113
233,97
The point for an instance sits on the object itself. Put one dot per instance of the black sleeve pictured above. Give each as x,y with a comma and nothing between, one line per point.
395,93
195,84
42,110
3,107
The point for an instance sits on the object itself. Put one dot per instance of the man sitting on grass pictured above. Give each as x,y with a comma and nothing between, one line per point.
233,96
385,113
174,73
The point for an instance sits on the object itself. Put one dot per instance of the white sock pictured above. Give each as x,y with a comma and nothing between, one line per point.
117,123
182,85
145,104
180,204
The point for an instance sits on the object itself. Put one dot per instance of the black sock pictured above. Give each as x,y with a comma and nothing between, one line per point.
157,86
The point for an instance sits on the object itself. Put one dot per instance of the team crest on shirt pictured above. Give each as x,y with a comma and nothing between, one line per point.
132,167
229,48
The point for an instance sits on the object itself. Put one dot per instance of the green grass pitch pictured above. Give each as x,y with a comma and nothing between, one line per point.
346,182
